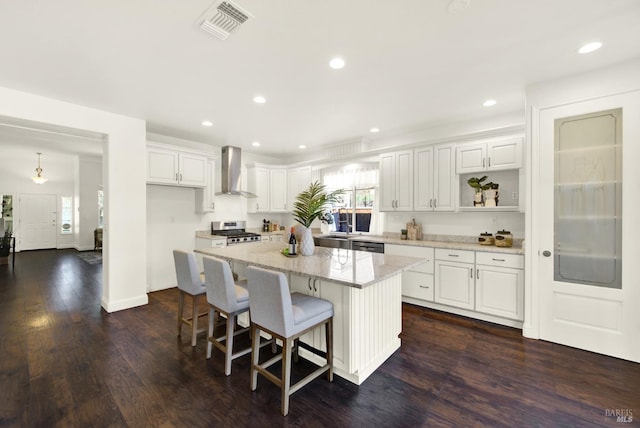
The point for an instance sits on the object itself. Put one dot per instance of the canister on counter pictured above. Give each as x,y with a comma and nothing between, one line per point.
486,238
504,238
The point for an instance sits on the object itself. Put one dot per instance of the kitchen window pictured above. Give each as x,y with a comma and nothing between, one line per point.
356,210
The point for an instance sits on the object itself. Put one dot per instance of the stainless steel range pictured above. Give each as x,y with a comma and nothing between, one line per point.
234,231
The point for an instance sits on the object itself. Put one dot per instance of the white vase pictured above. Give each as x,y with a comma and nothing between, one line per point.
306,246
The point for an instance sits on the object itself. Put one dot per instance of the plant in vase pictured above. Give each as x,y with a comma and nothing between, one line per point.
311,204
476,183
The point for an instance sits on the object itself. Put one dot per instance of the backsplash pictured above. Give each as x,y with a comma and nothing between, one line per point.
462,224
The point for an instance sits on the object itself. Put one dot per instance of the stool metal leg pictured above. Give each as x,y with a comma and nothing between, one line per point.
231,321
286,375
194,321
255,355
212,326
180,310
329,339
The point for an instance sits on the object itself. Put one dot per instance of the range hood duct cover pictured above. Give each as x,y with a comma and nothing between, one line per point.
231,168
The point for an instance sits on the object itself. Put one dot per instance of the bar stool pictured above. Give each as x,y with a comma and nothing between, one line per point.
227,298
190,282
286,317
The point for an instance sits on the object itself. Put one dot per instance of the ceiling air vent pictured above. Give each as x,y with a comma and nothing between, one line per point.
223,18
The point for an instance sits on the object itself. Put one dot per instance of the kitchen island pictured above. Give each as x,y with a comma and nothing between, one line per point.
365,289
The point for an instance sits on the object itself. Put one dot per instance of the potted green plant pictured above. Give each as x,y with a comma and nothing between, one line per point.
477,185
311,204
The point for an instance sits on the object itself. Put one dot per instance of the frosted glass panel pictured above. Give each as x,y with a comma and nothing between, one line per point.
588,191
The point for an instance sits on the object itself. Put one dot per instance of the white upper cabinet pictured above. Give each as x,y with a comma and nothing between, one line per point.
489,156
298,179
269,184
278,190
205,196
172,166
396,181
434,188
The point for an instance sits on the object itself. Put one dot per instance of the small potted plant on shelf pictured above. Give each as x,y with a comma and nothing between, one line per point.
476,183
311,204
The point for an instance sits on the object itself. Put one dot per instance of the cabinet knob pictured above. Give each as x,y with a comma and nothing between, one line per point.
546,253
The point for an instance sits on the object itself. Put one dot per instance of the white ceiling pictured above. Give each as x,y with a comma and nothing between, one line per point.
409,63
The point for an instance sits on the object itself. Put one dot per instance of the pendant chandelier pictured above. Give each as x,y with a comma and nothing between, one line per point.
38,178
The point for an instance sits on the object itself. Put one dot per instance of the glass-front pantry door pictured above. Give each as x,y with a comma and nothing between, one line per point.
588,183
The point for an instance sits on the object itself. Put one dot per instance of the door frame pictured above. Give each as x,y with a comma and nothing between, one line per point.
618,80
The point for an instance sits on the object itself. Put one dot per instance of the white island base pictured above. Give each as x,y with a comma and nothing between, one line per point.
367,323
366,292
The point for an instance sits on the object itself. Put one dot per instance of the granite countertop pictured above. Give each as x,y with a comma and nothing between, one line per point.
453,242
206,234
352,268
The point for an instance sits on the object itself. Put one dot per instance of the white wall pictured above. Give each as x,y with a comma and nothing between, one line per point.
124,282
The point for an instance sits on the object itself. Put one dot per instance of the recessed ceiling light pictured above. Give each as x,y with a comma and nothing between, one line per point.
374,130
489,103
302,146
255,144
259,99
336,63
207,123
590,47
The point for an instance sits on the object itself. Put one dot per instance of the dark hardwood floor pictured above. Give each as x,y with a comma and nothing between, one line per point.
65,362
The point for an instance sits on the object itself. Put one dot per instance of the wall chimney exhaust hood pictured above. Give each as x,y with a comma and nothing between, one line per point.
231,167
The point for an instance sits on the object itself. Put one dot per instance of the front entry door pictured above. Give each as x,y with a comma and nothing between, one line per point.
37,221
589,258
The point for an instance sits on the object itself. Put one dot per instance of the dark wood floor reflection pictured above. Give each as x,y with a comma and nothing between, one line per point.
65,362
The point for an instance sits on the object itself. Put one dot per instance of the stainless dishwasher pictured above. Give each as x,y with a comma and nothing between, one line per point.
372,247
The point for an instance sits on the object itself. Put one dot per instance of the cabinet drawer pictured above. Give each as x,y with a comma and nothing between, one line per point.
463,256
417,285
413,251
500,259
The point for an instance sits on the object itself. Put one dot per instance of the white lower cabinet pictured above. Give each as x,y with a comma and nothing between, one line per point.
500,285
455,284
417,282
484,285
417,285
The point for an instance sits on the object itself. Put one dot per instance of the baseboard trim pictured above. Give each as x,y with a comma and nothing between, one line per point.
123,304
151,289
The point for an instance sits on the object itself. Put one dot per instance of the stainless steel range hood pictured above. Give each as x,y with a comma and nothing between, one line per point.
231,168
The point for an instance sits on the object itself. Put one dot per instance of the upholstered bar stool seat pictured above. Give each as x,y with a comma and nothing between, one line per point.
190,282
228,298
287,317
